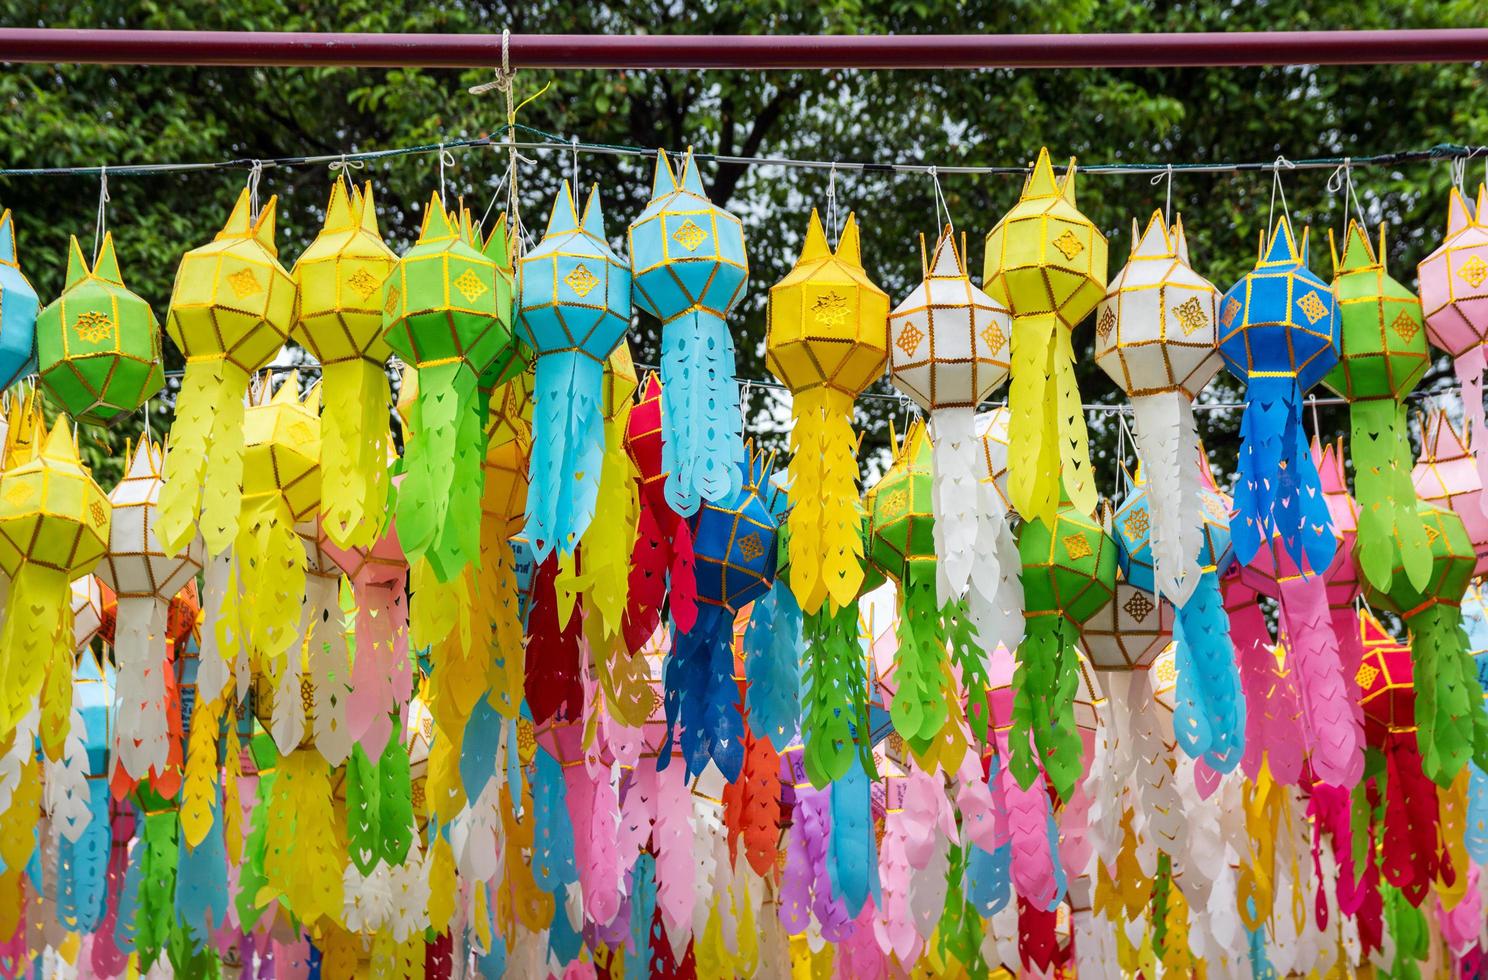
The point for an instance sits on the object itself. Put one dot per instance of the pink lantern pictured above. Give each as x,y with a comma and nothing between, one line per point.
381,679
1454,299
1447,475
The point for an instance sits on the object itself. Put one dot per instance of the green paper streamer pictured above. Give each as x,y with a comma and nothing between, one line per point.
835,721
1044,685
395,799
157,891
363,810
968,658
1451,726
1408,927
251,877
1390,528
919,710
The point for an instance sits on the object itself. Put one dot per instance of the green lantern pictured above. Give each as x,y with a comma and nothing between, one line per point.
1384,356
1069,575
447,312
98,344
1451,726
901,545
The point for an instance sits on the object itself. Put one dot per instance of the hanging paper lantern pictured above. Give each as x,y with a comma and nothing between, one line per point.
145,578
1451,725
231,311
1156,336
1454,300
54,528
340,279
447,312
1279,334
98,344
736,551
825,341
18,307
1046,262
1446,475
949,353
88,600
688,262
574,310
1382,357
1069,575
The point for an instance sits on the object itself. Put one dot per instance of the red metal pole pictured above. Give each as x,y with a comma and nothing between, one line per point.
247,49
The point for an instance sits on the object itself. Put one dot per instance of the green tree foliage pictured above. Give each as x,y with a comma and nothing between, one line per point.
85,115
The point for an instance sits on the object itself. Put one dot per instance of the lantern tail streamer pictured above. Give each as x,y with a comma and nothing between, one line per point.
329,663
1168,443
1044,685
1034,855
567,452
827,559
301,864
496,593
66,784
1033,434
1209,716
853,858
919,710
1160,821
772,665
1469,366
287,724
82,888
954,498
219,634
701,696
835,691
608,543
439,501
1073,458
197,805
1334,735
380,668
1390,528
994,603
702,442
140,690
271,566
200,439
354,450
671,839
552,683
34,616
1452,727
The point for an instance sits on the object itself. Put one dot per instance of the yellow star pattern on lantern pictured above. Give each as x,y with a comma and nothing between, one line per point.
1135,525
93,326
690,236
1474,270
1367,674
750,547
1405,327
830,309
364,282
1190,314
1069,245
1432,534
994,337
470,286
1312,307
1076,546
1138,606
581,280
909,339
244,283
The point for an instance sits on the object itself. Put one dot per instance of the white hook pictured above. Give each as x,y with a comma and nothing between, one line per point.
100,228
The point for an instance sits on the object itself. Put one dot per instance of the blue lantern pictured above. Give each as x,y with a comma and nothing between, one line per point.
18,307
735,543
689,265
1279,333
573,309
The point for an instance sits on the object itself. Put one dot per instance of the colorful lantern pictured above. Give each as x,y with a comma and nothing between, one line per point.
145,578
1069,575
1382,357
1451,725
825,341
98,344
231,311
736,551
447,312
54,528
688,262
574,310
18,307
1279,334
1156,336
949,353
1454,300
1446,475
1046,262
340,279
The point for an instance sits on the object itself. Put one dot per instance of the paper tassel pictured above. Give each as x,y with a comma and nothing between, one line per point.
835,692
702,697
1210,712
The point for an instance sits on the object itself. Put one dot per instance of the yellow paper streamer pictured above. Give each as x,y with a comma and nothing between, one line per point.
442,885
1452,808
305,858
232,804
201,768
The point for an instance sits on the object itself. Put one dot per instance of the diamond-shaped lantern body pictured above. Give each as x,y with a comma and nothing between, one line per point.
1280,319
1387,693
620,382
1044,256
98,344
1156,329
18,308
1447,476
825,321
1069,567
992,429
444,301
686,253
340,279
88,602
1129,631
574,293
736,544
52,514
1132,529
949,341
1383,351
1454,278
643,437
136,566
901,526
281,448
232,298
1452,562
1272,564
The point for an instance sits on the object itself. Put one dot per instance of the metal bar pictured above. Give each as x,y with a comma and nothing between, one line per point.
253,49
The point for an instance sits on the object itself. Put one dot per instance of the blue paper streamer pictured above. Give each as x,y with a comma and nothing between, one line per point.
1209,710
201,879
493,962
82,886
129,896
702,430
553,836
642,909
852,855
478,748
702,697
568,442
1061,882
564,941
1477,815
989,880
772,665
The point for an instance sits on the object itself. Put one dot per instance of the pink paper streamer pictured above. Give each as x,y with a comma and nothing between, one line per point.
380,678
1334,734
1028,832
1470,365
893,925
672,838
593,809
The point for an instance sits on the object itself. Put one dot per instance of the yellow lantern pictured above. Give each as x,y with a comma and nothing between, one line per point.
826,340
231,311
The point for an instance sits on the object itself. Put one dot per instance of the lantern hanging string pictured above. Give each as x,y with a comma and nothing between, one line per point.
100,227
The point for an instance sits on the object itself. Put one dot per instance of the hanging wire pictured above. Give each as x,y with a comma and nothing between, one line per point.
1276,187
1342,181
576,166
446,159
1166,175
941,206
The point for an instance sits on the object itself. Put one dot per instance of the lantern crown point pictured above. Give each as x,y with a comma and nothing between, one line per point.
664,182
947,260
59,444
815,246
1154,242
239,222
1283,247
497,248
338,215
849,246
264,227
1358,252
563,217
1041,181
1180,240
77,264
593,220
7,238
1482,208
366,210
106,264
691,180
1067,183
1459,213
288,391
436,227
